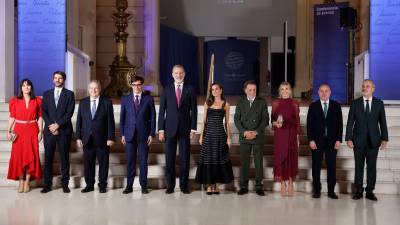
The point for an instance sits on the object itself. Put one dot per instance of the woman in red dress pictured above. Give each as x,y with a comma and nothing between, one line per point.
26,123
286,124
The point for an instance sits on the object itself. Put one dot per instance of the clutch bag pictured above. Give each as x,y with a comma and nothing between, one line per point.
13,136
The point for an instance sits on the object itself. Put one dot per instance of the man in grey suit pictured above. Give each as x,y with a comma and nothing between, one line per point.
366,133
251,118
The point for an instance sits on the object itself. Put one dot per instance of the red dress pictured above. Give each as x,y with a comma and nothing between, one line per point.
25,149
285,139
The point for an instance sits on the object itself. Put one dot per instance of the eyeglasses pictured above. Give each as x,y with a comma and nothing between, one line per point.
136,85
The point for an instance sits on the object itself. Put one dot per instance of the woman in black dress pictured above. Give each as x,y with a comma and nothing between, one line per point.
214,165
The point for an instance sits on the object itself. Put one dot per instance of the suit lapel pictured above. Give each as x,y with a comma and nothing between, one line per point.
143,98
184,90
97,108
131,103
61,99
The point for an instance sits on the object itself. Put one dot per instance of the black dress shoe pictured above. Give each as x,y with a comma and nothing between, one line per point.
316,195
127,190
371,196
87,189
169,191
357,195
332,195
185,191
45,190
209,192
260,192
66,189
145,191
243,191
103,190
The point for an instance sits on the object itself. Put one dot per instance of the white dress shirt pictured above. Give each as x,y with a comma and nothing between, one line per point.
322,104
369,102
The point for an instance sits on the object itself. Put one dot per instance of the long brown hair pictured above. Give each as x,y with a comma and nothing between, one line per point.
211,98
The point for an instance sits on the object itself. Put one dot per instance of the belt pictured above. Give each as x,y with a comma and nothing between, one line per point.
25,121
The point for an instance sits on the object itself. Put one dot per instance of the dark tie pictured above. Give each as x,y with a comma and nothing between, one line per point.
367,110
178,95
325,114
137,103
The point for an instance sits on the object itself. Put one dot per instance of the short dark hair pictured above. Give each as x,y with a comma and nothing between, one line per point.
137,78
60,73
29,83
252,82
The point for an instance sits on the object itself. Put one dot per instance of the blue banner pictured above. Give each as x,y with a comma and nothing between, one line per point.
385,48
234,63
41,41
330,50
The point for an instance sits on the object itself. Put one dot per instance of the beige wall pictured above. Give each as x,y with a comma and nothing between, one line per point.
105,44
304,39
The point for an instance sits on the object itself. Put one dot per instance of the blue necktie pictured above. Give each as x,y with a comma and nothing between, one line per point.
93,108
325,114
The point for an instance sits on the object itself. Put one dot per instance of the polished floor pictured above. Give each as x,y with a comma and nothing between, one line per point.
197,208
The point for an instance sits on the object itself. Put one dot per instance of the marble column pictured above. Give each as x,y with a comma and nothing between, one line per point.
152,46
6,50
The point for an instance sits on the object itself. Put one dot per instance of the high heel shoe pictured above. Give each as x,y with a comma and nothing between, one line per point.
216,190
26,187
283,189
209,190
290,190
21,186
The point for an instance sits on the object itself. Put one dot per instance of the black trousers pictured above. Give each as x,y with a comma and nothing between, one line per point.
330,160
184,160
368,154
90,153
63,144
133,149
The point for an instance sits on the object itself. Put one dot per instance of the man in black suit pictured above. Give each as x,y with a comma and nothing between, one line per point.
177,122
366,133
324,132
58,106
137,125
95,132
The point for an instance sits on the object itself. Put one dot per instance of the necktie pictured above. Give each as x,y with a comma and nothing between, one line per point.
57,97
136,103
251,103
93,108
325,114
367,110
178,95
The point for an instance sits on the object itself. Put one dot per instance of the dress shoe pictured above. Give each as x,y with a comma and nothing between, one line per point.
316,195
169,191
332,195
260,192
102,190
87,189
66,189
45,190
185,191
145,190
357,195
127,190
243,191
371,196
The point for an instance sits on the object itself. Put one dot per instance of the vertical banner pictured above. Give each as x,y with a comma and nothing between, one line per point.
330,50
385,48
235,62
41,41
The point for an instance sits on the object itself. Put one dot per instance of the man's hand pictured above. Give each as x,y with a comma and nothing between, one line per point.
313,145
337,145
383,145
149,140
79,143
350,144
123,140
191,135
53,127
110,143
161,136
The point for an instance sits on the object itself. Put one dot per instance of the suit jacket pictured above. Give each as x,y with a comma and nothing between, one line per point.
361,127
316,123
251,118
101,128
60,115
173,118
143,122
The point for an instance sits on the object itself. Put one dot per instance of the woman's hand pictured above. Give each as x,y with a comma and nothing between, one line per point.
9,136
276,124
40,136
201,140
229,142
298,141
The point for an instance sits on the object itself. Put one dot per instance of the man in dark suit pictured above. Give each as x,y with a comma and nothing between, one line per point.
177,122
58,106
137,125
324,132
251,118
366,133
95,132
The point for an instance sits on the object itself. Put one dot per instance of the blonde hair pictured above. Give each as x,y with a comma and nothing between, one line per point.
285,83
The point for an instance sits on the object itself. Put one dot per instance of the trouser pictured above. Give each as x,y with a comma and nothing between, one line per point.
90,153
330,159
132,150
245,153
368,154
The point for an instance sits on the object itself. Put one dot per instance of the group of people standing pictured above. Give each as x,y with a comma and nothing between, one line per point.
177,123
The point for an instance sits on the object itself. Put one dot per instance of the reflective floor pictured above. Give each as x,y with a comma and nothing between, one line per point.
197,208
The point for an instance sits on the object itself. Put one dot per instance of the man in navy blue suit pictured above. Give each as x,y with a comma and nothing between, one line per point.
95,132
324,132
137,125
58,106
177,122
